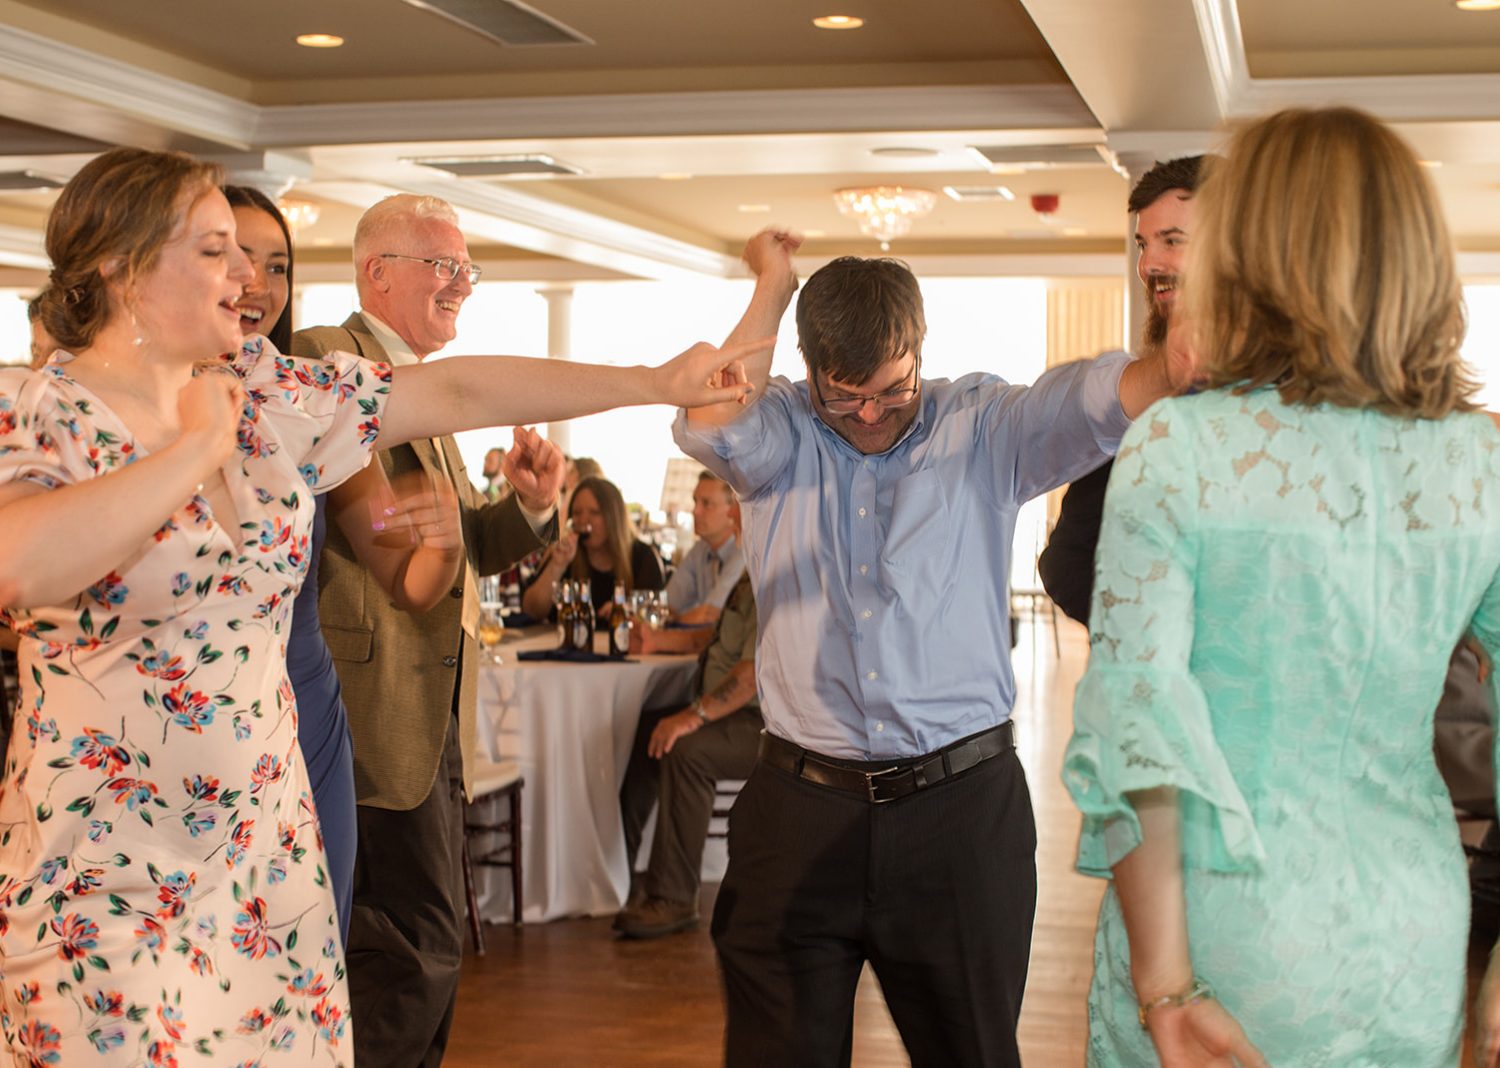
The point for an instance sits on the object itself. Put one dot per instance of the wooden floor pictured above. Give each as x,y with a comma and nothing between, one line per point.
568,993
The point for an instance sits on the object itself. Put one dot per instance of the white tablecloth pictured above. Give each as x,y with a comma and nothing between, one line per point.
571,727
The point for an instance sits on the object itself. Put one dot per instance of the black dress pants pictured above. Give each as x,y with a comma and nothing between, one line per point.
937,890
406,932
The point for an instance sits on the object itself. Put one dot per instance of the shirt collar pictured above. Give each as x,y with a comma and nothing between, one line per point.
397,350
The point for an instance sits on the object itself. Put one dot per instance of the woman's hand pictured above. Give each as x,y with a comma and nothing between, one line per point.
705,375
209,408
1201,1035
431,507
1487,1016
564,551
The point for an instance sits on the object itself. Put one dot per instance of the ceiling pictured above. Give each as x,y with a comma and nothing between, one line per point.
682,114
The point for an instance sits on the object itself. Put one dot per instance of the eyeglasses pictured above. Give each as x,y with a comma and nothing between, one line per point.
891,398
445,268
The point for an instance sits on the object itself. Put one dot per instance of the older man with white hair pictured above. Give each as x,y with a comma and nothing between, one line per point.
409,681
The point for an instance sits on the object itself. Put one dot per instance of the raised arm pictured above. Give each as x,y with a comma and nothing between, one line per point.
1164,371
769,256
467,392
58,541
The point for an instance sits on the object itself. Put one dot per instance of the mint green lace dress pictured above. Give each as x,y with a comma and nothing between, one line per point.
1278,591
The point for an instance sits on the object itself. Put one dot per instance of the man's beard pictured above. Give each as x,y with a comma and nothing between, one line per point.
1154,333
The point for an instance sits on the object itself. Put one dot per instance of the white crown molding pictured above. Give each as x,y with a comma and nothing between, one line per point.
63,71
1410,98
515,218
678,114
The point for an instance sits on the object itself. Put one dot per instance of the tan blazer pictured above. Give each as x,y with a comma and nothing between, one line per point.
399,670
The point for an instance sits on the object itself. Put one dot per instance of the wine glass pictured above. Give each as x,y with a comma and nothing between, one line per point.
491,630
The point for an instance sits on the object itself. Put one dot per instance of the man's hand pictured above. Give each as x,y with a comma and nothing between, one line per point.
771,251
535,467
642,638
670,729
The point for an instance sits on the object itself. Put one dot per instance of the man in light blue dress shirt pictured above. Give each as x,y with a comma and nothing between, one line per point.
888,819
709,571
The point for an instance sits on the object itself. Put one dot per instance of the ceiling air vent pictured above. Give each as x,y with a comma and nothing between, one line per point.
26,182
535,165
509,22
969,193
1031,157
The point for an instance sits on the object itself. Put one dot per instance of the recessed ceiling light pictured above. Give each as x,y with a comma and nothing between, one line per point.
838,22
814,233
896,152
753,209
676,176
323,241
319,40
1438,162
1075,231
1477,5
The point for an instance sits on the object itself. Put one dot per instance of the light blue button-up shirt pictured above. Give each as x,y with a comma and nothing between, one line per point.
881,581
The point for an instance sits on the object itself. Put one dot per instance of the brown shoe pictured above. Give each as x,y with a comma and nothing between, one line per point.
657,917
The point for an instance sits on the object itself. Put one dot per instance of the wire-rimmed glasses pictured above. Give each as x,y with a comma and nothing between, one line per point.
445,267
891,398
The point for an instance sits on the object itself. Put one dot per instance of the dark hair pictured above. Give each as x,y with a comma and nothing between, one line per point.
1184,172
34,308
621,531
245,196
122,206
708,476
855,315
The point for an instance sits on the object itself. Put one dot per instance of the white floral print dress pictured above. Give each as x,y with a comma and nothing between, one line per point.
163,894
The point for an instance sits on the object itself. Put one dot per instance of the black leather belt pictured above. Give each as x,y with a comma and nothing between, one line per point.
898,779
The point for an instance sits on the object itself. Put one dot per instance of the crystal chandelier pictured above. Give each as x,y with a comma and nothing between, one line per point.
884,212
299,213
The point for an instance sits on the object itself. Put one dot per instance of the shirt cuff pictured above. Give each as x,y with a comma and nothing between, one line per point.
539,521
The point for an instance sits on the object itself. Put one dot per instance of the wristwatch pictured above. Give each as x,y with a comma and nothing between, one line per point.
697,706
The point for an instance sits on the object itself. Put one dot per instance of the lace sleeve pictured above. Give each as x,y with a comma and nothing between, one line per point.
1485,628
1140,718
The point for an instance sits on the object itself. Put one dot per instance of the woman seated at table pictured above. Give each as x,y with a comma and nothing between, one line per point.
612,552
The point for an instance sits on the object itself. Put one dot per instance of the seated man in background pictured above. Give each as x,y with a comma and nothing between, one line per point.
701,584
680,756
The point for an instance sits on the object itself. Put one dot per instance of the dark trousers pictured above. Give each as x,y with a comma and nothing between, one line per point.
937,890
406,933
685,781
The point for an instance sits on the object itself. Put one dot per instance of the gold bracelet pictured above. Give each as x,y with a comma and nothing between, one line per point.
1199,991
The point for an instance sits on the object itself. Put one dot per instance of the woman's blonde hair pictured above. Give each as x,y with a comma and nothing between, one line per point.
617,525
1321,264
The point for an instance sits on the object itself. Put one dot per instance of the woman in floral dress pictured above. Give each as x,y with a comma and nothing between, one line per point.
163,894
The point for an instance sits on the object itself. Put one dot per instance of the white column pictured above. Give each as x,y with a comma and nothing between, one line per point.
559,346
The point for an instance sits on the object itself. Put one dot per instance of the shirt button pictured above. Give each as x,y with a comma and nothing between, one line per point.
450,661
456,592
873,675
864,570
861,511
867,613
880,726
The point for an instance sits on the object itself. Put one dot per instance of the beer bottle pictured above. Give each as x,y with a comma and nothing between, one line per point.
565,614
619,624
583,618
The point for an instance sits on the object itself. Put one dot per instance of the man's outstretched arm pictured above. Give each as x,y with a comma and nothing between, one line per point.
769,256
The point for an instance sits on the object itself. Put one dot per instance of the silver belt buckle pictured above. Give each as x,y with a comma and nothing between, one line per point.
871,776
